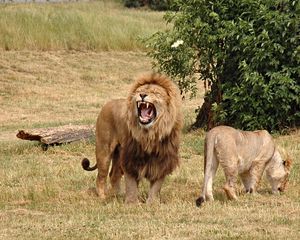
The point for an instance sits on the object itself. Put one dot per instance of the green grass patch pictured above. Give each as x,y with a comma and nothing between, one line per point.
97,26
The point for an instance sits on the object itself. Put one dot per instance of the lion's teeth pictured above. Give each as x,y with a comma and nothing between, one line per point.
147,105
139,104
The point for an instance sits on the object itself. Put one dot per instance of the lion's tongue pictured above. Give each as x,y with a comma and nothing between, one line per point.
146,113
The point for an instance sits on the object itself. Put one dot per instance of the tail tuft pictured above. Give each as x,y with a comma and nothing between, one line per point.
85,163
199,201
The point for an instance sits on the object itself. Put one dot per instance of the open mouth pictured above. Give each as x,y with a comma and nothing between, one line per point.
146,112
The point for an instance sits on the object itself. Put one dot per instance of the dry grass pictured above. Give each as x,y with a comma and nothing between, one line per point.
47,194
40,86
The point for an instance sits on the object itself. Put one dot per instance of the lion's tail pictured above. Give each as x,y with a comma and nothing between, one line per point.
85,163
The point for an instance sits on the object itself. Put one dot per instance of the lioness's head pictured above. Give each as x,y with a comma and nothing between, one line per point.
278,172
153,107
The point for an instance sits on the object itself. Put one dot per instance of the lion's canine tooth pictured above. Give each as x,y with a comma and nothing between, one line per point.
147,105
139,104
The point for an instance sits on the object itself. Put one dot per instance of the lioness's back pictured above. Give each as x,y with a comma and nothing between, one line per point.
246,146
226,135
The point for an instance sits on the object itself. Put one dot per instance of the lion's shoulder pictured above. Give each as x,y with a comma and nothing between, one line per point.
111,119
114,110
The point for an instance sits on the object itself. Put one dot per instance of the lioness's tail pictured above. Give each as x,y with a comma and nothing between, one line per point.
210,166
85,163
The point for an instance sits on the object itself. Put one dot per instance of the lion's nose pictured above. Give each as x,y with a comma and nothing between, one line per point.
143,96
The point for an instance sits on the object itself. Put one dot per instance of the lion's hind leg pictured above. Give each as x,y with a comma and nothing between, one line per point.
103,162
116,172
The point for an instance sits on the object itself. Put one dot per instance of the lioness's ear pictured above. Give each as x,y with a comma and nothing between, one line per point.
287,163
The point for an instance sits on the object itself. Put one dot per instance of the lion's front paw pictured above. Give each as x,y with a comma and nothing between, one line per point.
153,200
101,194
131,197
131,200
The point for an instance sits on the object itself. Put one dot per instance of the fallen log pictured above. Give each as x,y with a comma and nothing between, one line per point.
58,135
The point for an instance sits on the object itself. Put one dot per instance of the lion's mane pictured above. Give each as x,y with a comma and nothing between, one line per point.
153,152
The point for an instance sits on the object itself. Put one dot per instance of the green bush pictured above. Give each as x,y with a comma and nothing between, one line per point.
247,52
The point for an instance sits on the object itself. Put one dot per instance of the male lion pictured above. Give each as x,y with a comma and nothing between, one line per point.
141,137
242,153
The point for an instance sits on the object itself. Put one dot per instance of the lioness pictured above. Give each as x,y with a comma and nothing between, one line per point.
242,153
140,135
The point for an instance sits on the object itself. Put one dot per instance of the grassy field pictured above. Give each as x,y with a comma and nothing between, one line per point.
97,26
47,195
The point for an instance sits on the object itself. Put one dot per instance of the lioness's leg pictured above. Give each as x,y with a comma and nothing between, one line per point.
256,173
229,188
246,179
131,188
155,187
231,174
